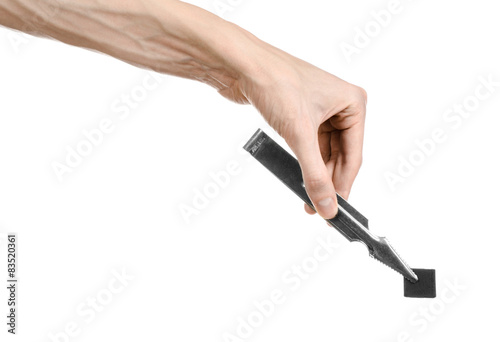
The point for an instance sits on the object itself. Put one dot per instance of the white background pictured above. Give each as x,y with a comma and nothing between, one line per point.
119,209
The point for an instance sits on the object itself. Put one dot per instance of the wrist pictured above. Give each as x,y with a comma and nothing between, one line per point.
226,53
253,64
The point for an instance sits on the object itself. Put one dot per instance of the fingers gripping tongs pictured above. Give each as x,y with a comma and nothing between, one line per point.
349,222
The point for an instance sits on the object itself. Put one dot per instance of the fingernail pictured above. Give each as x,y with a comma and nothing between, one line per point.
327,207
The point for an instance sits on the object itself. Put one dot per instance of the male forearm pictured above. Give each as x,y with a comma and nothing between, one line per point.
167,36
320,116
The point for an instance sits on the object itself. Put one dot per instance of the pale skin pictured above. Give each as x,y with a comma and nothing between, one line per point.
320,116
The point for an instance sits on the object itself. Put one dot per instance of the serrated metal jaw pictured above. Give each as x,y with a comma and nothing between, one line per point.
386,254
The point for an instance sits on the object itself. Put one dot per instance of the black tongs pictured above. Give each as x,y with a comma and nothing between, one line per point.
349,222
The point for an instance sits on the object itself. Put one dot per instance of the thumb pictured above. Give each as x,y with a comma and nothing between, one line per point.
318,182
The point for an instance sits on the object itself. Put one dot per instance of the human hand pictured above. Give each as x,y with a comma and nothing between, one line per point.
320,116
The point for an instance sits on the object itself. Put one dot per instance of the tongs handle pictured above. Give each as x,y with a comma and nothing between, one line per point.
287,169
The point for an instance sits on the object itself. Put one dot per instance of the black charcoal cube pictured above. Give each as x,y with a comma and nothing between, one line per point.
425,287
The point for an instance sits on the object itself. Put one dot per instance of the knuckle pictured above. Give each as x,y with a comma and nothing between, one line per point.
363,93
360,97
315,184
